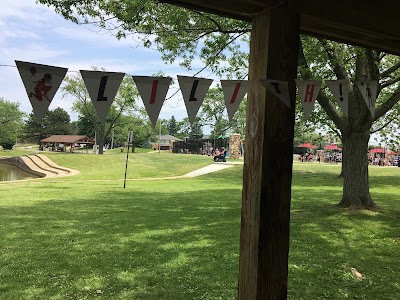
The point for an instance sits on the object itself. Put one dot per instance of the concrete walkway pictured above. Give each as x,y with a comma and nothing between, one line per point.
209,169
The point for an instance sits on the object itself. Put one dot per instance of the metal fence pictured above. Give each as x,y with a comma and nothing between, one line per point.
201,147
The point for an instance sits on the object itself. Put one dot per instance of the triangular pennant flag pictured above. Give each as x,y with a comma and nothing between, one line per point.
102,88
41,84
153,91
234,91
279,88
308,92
340,91
193,89
369,91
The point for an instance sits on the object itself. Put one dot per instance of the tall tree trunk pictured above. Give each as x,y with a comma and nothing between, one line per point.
355,170
100,136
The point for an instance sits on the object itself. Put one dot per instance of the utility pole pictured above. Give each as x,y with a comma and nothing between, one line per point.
95,142
159,140
112,139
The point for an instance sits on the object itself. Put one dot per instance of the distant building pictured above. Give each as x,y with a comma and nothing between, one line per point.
61,142
166,142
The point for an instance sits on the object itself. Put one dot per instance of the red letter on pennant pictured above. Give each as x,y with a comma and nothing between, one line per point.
309,93
153,92
235,92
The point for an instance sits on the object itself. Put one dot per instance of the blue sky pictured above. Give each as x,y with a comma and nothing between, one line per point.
35,33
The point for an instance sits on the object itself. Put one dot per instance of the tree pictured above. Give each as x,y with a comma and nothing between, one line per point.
354,64
238,122
196,132
218,41
10,123
184,129
172,126
141,128
88,121
213,113
54,122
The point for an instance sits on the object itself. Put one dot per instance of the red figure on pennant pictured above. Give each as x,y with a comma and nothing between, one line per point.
42,87
33,71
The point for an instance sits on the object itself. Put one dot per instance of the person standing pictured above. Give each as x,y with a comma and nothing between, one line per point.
223,154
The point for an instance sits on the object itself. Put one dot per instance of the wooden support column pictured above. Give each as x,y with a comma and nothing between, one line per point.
267,175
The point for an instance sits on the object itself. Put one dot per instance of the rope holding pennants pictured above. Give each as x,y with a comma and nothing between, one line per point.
42,82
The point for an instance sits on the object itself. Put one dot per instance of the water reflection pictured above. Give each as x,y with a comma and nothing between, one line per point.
10,172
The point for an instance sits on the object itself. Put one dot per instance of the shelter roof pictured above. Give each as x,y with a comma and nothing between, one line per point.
367,23
169,138
68,139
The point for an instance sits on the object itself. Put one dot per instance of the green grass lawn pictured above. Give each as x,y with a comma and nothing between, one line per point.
85,237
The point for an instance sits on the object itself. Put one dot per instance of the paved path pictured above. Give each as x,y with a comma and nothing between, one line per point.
210,169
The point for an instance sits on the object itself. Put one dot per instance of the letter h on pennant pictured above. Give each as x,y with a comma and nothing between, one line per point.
308,96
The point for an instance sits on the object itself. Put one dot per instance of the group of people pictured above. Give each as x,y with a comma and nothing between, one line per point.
378,160
333,157
328,157
306,157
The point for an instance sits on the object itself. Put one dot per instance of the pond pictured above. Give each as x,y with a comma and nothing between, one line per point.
10,172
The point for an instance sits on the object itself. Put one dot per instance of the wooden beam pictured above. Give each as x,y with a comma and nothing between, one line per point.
267,175
358,22
236,9
349,21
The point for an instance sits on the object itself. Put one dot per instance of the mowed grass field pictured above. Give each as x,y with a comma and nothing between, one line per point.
85,237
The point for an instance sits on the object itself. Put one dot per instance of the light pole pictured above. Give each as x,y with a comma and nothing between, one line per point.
112,139
159,139
320,147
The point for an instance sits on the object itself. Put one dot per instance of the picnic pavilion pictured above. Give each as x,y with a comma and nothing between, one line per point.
267,175
67,141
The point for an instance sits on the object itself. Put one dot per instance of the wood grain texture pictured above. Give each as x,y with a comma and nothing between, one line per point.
264,238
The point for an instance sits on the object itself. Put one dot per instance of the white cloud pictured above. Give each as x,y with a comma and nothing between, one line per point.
31,52
96,36
37,34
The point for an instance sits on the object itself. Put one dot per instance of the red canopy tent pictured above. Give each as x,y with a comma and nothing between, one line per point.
333,147
307,145
377,150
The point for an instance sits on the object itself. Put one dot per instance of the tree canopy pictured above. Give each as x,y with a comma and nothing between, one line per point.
88,121
10,123
175,32
56,121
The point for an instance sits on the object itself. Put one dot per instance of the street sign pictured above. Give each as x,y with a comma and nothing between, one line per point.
130,137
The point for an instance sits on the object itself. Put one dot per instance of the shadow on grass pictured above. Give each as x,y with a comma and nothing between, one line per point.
139,245
326,241
180,240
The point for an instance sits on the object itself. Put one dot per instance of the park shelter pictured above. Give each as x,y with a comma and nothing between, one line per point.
267,175
166,142
68,140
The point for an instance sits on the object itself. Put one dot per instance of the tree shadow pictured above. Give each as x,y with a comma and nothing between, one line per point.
141,245
181,241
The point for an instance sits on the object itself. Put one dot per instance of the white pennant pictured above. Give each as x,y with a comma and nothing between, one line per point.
193,89
340,91
234,91
308,92
41,83
102,88
153,91
279,88
369,91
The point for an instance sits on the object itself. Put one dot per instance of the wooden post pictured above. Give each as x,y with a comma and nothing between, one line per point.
267,175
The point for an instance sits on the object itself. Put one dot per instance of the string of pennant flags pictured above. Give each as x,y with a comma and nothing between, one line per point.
42,82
